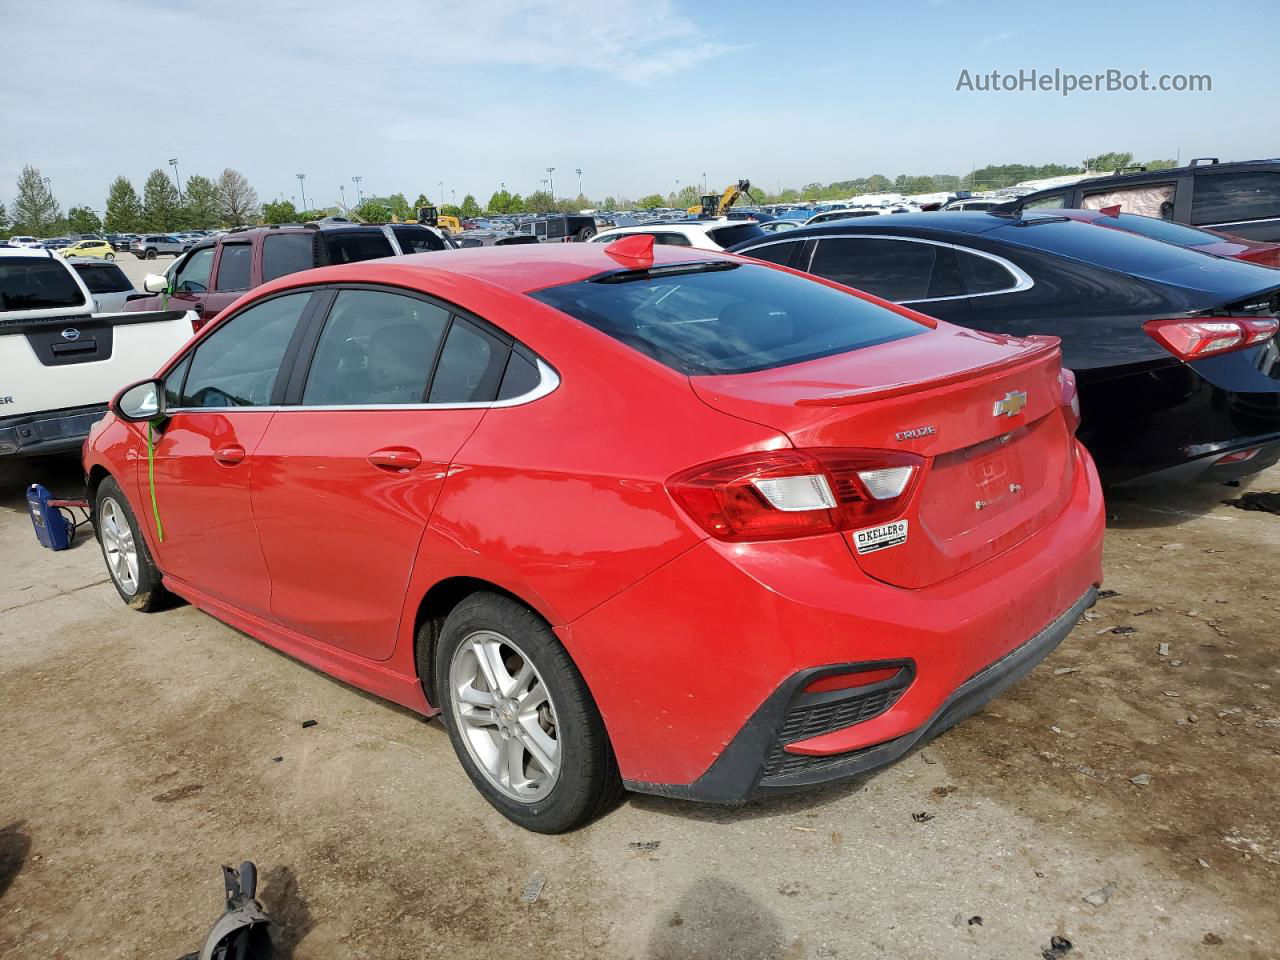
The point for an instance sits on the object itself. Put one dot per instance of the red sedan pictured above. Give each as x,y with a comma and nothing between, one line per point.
654,518
1206,241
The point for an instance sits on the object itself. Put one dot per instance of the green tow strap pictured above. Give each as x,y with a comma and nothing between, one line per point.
151,479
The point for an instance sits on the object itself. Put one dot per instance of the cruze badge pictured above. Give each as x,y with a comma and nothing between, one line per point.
71,333
915,433
1011,405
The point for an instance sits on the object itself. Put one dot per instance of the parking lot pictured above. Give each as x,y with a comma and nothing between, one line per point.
144,751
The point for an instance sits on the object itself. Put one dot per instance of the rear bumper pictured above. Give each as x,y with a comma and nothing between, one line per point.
699,669
48,432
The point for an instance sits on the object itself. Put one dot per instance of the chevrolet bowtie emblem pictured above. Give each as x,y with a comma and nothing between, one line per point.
1012,403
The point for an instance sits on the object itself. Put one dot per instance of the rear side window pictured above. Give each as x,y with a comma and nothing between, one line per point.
1052,202
774,252
237,365
983,275
1223,197
37,283
1145,199
727,317
521,376
898,270
233,267
286,253
418,240
103,279
471,366
376,348
352,246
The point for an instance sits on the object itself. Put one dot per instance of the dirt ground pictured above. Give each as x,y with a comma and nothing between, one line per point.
141,752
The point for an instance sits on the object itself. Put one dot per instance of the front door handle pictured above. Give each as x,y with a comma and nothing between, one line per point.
229,455
395,459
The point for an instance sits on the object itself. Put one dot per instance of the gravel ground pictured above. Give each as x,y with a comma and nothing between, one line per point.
141,752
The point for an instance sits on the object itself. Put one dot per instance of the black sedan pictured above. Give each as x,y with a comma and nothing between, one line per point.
1174,350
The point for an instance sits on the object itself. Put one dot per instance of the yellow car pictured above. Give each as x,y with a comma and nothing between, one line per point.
89,248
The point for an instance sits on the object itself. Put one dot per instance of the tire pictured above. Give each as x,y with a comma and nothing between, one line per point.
585,234
150,255
111,257
118,530
585,781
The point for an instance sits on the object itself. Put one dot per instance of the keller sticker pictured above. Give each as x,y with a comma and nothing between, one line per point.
880,538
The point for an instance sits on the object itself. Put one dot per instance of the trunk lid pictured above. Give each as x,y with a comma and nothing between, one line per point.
985,411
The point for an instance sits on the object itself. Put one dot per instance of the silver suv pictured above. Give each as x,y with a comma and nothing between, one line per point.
151,245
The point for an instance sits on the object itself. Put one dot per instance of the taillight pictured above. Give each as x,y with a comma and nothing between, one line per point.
1070,398
796,493
1209,336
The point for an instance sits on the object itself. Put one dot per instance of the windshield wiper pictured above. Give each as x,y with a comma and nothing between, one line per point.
666,270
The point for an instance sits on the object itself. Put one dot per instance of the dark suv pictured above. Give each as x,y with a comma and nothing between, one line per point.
216,272
564,228
1242,198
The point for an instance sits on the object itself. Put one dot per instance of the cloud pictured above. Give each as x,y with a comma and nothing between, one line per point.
1000,37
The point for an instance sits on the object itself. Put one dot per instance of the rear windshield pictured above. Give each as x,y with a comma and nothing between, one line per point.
37,283
728,236
1164,230
350,246
731,318
103,278
1138,256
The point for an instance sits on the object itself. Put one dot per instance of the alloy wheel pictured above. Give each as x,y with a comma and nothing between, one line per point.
505,716
118,546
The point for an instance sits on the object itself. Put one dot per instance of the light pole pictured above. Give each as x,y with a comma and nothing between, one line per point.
440,184
173,162
552,180
359,196
302,177
578,171
704,181
342,192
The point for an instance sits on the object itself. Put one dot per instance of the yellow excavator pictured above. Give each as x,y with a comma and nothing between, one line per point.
717,206
433,218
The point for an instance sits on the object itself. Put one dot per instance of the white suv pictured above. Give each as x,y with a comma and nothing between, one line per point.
27,242
717,234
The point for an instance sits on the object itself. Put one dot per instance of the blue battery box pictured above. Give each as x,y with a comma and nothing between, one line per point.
52,529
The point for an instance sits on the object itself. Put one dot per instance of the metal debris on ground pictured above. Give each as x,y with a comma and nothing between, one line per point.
1058,947
922,817
645,844
1164,650
926,758
1141,780
1119,631
1172,693
277,759
1264,502
309,723
1203,862
1100,896
1108,594
1091,773
1064,670
533,889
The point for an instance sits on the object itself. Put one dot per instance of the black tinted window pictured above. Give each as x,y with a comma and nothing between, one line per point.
173,383
233,267
286,253
37,283
470,366
1164,230
730,319
774,252
103,279
237,364
1223,197
418,239
893,269
671,240
376,348
982,275
352,246
738,233
521,376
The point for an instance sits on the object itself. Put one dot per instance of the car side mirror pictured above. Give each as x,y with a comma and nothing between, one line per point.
155,283
141,402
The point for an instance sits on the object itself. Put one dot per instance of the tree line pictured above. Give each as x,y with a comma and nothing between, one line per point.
229,200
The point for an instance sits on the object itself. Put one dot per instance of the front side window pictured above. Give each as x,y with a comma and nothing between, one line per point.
727,317
376,348
898,270
1225,197
233,267
193,275
285,253
237,365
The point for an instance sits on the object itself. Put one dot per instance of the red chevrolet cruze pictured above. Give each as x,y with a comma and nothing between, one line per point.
662,519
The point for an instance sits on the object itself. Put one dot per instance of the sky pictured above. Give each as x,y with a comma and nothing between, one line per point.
641,96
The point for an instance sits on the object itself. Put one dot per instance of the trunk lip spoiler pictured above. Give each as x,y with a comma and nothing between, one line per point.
1038,347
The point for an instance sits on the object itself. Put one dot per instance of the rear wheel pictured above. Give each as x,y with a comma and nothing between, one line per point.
134,574
521,718
111,256
151,255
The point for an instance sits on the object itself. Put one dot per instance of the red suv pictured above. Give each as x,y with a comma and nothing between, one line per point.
659,518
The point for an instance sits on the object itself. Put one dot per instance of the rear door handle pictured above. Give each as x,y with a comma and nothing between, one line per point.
230,455
395,459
